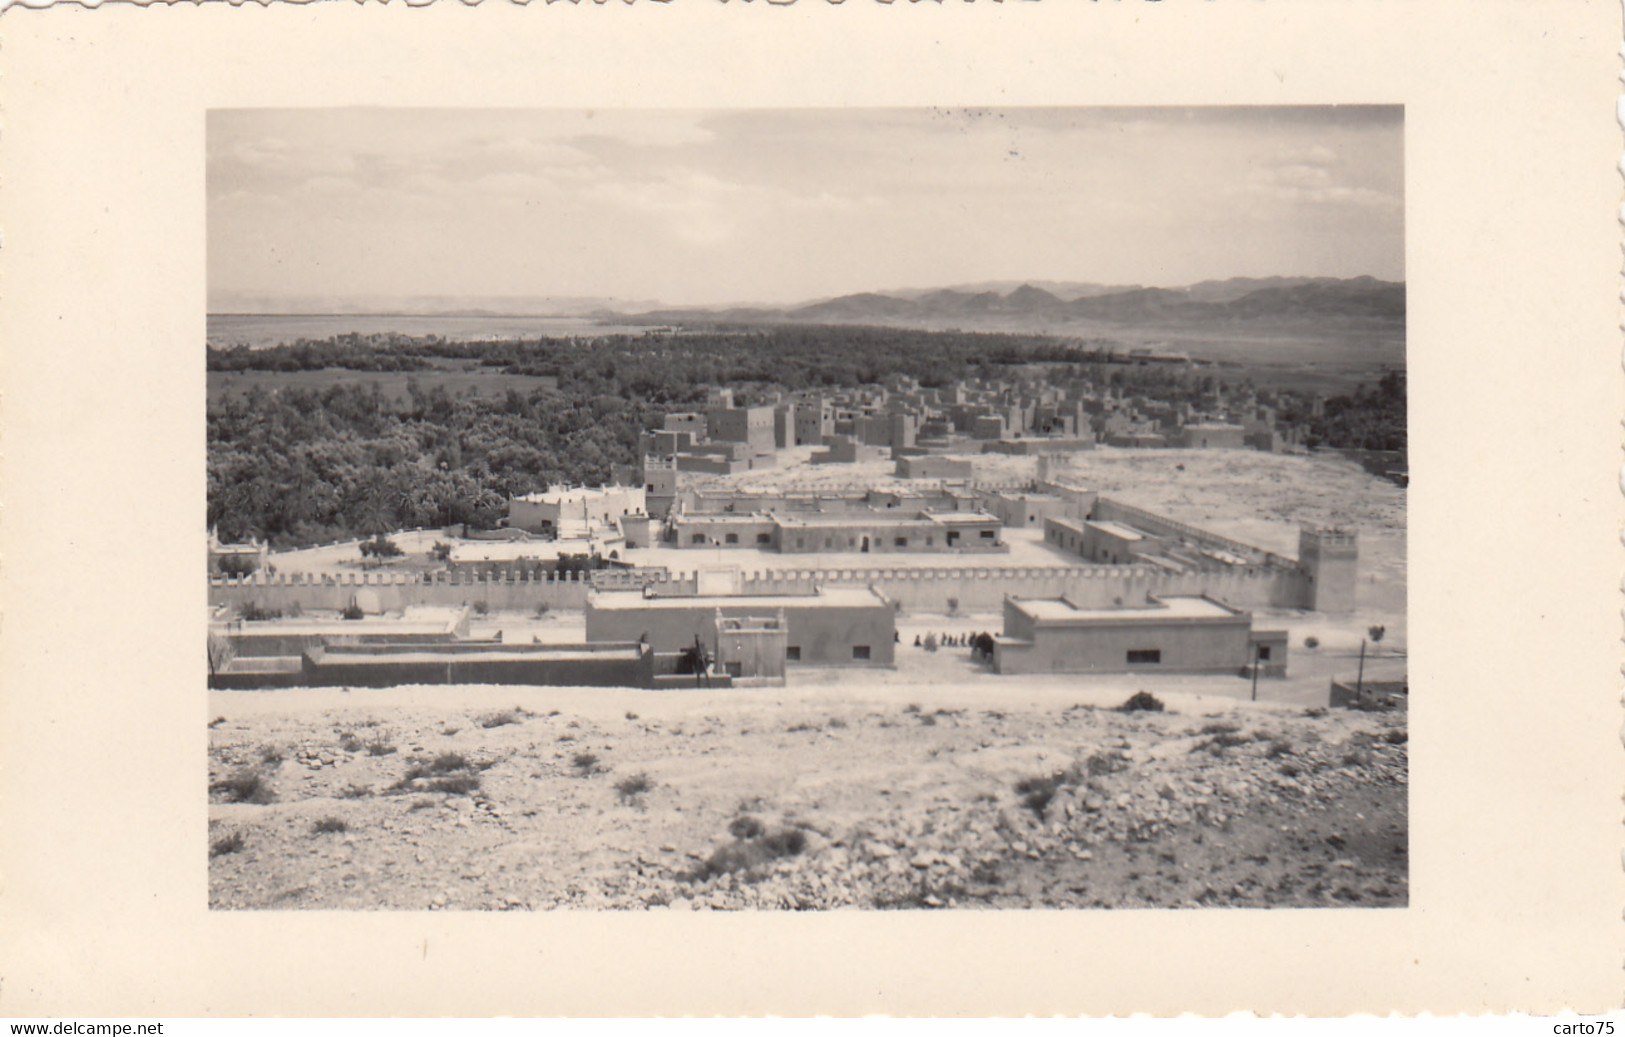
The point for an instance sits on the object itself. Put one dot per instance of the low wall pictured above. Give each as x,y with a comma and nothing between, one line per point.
383,666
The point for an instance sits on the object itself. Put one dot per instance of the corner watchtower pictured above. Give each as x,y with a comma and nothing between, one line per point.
1331,559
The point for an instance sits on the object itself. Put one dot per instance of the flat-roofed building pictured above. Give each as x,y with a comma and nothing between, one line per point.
691,422
844,529
834,626
1025,510
574,511
1174,634
928,466
882,532
1116,543
752,426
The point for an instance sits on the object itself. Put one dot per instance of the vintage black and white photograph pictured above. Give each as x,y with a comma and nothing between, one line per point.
806,509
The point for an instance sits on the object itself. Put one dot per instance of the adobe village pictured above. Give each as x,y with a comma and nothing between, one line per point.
902,647
806,509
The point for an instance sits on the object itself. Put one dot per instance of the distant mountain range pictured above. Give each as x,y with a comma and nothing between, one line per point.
1054,304
1034,306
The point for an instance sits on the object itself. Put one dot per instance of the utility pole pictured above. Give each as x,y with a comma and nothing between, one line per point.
1359,680
1255,672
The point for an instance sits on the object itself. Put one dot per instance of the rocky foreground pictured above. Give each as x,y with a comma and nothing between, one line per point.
763,807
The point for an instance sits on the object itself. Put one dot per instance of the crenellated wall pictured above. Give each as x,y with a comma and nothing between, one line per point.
925,589
385,592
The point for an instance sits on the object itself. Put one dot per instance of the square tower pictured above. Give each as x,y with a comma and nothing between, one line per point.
1331,558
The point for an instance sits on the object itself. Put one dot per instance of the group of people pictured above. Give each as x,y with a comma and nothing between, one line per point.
982,642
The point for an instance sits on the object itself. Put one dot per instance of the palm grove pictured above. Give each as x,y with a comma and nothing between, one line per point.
302,465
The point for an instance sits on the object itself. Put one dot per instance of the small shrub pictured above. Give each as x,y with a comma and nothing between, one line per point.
352,611
1219,728
244,787
501,719
631,715
445,763
1315,712
755,844
1036,793
356,792
379,746
584,762
271,755
380,547
253,612
329,825
953,606
226,844
912,707
745,827
1222,741
482,608
456,784
1101,764
630,788
1311,641
349,742
836,722
928,720
421,803
1141,701
237,565
541,610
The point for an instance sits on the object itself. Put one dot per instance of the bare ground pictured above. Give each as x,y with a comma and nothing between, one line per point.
757,800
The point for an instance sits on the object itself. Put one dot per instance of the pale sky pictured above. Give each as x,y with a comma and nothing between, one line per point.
777,206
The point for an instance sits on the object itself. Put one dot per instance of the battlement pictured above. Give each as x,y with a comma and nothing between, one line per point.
1330,558
1327,540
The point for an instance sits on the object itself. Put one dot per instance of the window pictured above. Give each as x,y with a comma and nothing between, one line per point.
1263,653
801,542
792,653
1144,655
651,488
731,538
989,534
698,538
860,651
764,538
930,540
734,669
902,541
